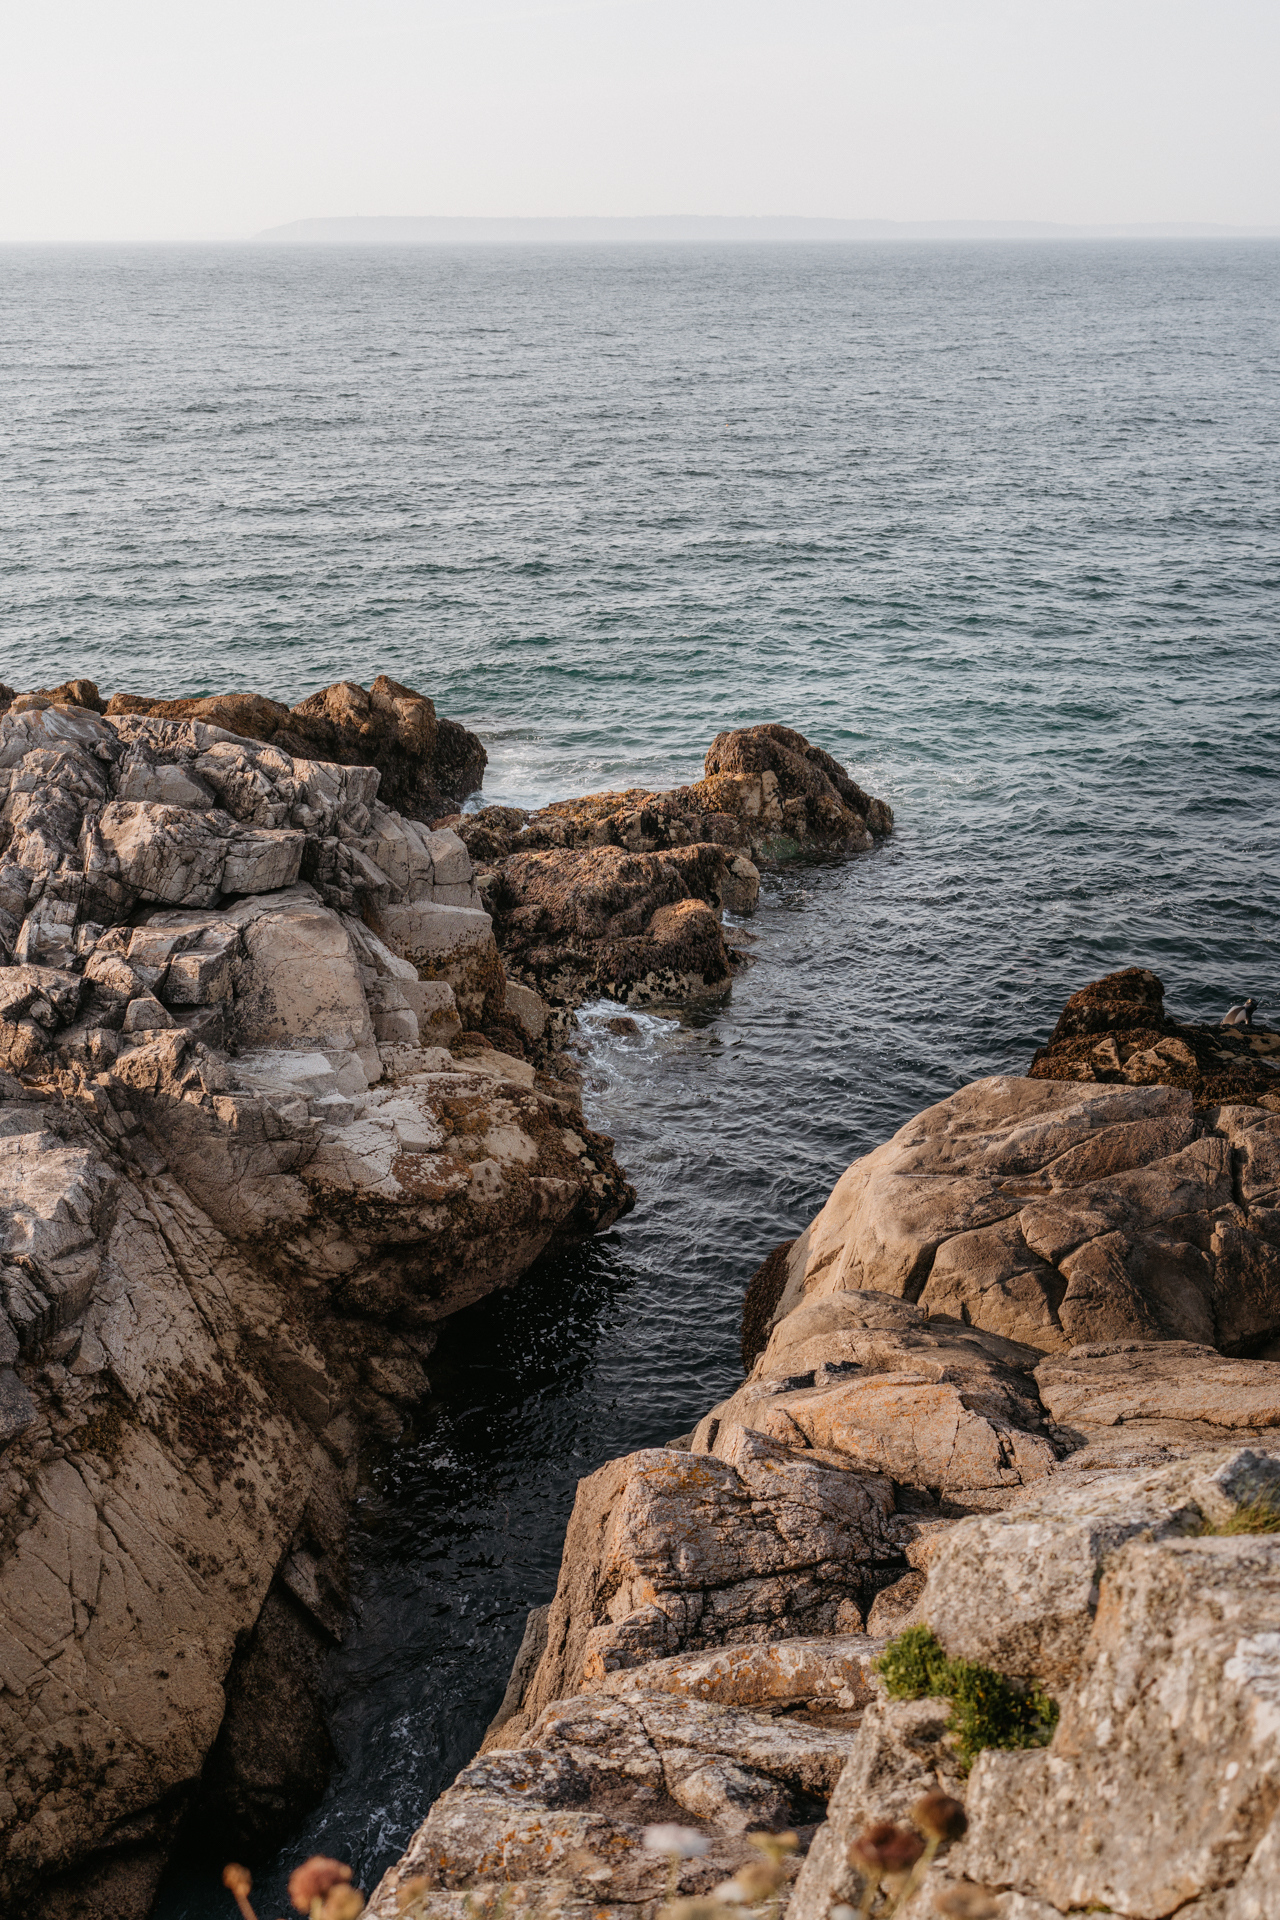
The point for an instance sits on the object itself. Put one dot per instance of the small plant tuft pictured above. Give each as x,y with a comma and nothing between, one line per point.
987,1708
1256,1516
913,1666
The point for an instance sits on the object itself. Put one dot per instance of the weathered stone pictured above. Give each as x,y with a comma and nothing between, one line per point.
1104,1386
529,1008
1055,1215
451,944
562,1814
209,1219
1116,1029
600,895
1162,1777
834,1670
899,1753
669,1551
424,762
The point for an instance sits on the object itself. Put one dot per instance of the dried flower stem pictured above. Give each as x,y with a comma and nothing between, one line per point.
237,1883
917,1874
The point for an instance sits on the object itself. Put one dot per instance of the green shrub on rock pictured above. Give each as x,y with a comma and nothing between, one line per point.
987,1708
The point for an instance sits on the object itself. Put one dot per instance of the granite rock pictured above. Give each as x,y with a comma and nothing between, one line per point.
240,1184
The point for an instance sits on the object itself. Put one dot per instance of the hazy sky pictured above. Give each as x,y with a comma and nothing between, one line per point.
150,119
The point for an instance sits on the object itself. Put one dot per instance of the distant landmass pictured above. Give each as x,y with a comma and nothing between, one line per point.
452,230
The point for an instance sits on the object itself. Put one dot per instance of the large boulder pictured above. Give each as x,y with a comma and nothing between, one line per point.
1116,1031
672,1551
427,764
1060,1214
766,792
636,928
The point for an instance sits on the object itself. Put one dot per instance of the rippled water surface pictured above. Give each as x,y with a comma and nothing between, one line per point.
997,525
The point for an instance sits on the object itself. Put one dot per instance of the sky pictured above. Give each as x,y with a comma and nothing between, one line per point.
146,120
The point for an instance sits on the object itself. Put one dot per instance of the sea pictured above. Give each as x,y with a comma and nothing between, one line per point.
995,523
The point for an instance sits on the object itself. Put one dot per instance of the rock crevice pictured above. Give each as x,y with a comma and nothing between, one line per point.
1058,1451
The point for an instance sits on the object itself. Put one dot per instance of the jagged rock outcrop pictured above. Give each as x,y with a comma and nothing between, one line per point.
620,894
1116,1031
255,1142
1060,1213
961,1418
427,764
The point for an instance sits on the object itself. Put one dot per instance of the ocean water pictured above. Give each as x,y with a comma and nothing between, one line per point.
995,524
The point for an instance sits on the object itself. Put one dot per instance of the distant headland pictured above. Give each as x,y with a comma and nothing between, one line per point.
463,230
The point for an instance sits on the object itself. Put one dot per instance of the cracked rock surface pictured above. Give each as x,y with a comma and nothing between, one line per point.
255,1142
1012,1384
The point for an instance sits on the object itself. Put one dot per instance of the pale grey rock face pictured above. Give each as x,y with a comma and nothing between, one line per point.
898,1754
1060,1214
240,1183
1160,1783
1038,1500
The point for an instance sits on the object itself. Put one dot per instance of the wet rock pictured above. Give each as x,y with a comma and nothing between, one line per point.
603,922
270,1763
600,896
1116,1031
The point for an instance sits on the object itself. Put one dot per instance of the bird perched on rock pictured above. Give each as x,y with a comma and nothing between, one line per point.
1241,1016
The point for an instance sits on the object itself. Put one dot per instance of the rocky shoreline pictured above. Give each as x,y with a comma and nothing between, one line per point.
282,1084
1011,1397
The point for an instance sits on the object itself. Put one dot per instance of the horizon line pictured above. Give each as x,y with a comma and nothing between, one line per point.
481,228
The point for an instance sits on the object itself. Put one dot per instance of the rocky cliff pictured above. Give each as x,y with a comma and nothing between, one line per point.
1009,1390
272,1105
255,1141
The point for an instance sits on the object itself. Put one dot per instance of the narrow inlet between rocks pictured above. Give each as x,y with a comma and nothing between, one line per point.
733,1121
